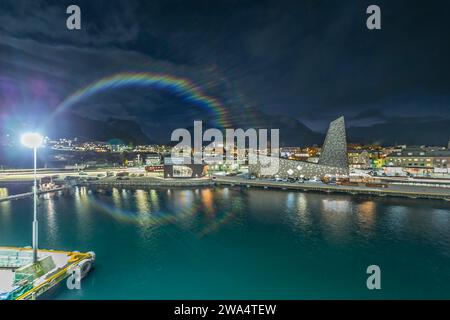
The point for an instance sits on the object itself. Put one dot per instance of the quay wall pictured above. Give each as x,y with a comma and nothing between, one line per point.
149,182
401,191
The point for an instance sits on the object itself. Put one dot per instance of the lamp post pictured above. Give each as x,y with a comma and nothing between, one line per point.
34,140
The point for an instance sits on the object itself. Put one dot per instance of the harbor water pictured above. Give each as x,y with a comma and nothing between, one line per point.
239,243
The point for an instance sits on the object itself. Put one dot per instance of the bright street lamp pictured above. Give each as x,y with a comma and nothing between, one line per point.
33,140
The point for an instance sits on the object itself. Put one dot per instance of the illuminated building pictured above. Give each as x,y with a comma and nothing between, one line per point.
420,160
359,159
333,159
183,170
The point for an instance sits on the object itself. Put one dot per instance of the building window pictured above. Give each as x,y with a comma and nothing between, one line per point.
182,172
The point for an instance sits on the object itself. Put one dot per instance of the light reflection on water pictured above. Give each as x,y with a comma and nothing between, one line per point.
5,206
237,243
116,198
142,201
52,233
367,213
337,217
207,197
155,200
83,208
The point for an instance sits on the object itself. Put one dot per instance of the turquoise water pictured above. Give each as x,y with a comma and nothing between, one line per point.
232,243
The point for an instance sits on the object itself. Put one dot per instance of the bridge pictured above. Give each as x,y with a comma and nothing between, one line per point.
30,194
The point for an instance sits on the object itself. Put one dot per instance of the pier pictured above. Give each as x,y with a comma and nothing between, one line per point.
30,194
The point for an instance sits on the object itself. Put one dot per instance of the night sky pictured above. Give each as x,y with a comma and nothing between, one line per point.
306,60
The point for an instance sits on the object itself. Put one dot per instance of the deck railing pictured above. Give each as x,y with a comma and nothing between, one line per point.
15,259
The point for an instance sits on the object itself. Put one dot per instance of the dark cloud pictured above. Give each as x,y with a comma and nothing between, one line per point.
103,23
310,60
369,114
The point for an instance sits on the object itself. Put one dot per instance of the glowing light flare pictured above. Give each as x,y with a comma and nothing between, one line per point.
32,140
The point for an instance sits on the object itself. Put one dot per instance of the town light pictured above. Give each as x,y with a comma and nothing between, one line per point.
32,140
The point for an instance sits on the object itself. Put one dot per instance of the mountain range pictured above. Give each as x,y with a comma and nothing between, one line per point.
392,131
